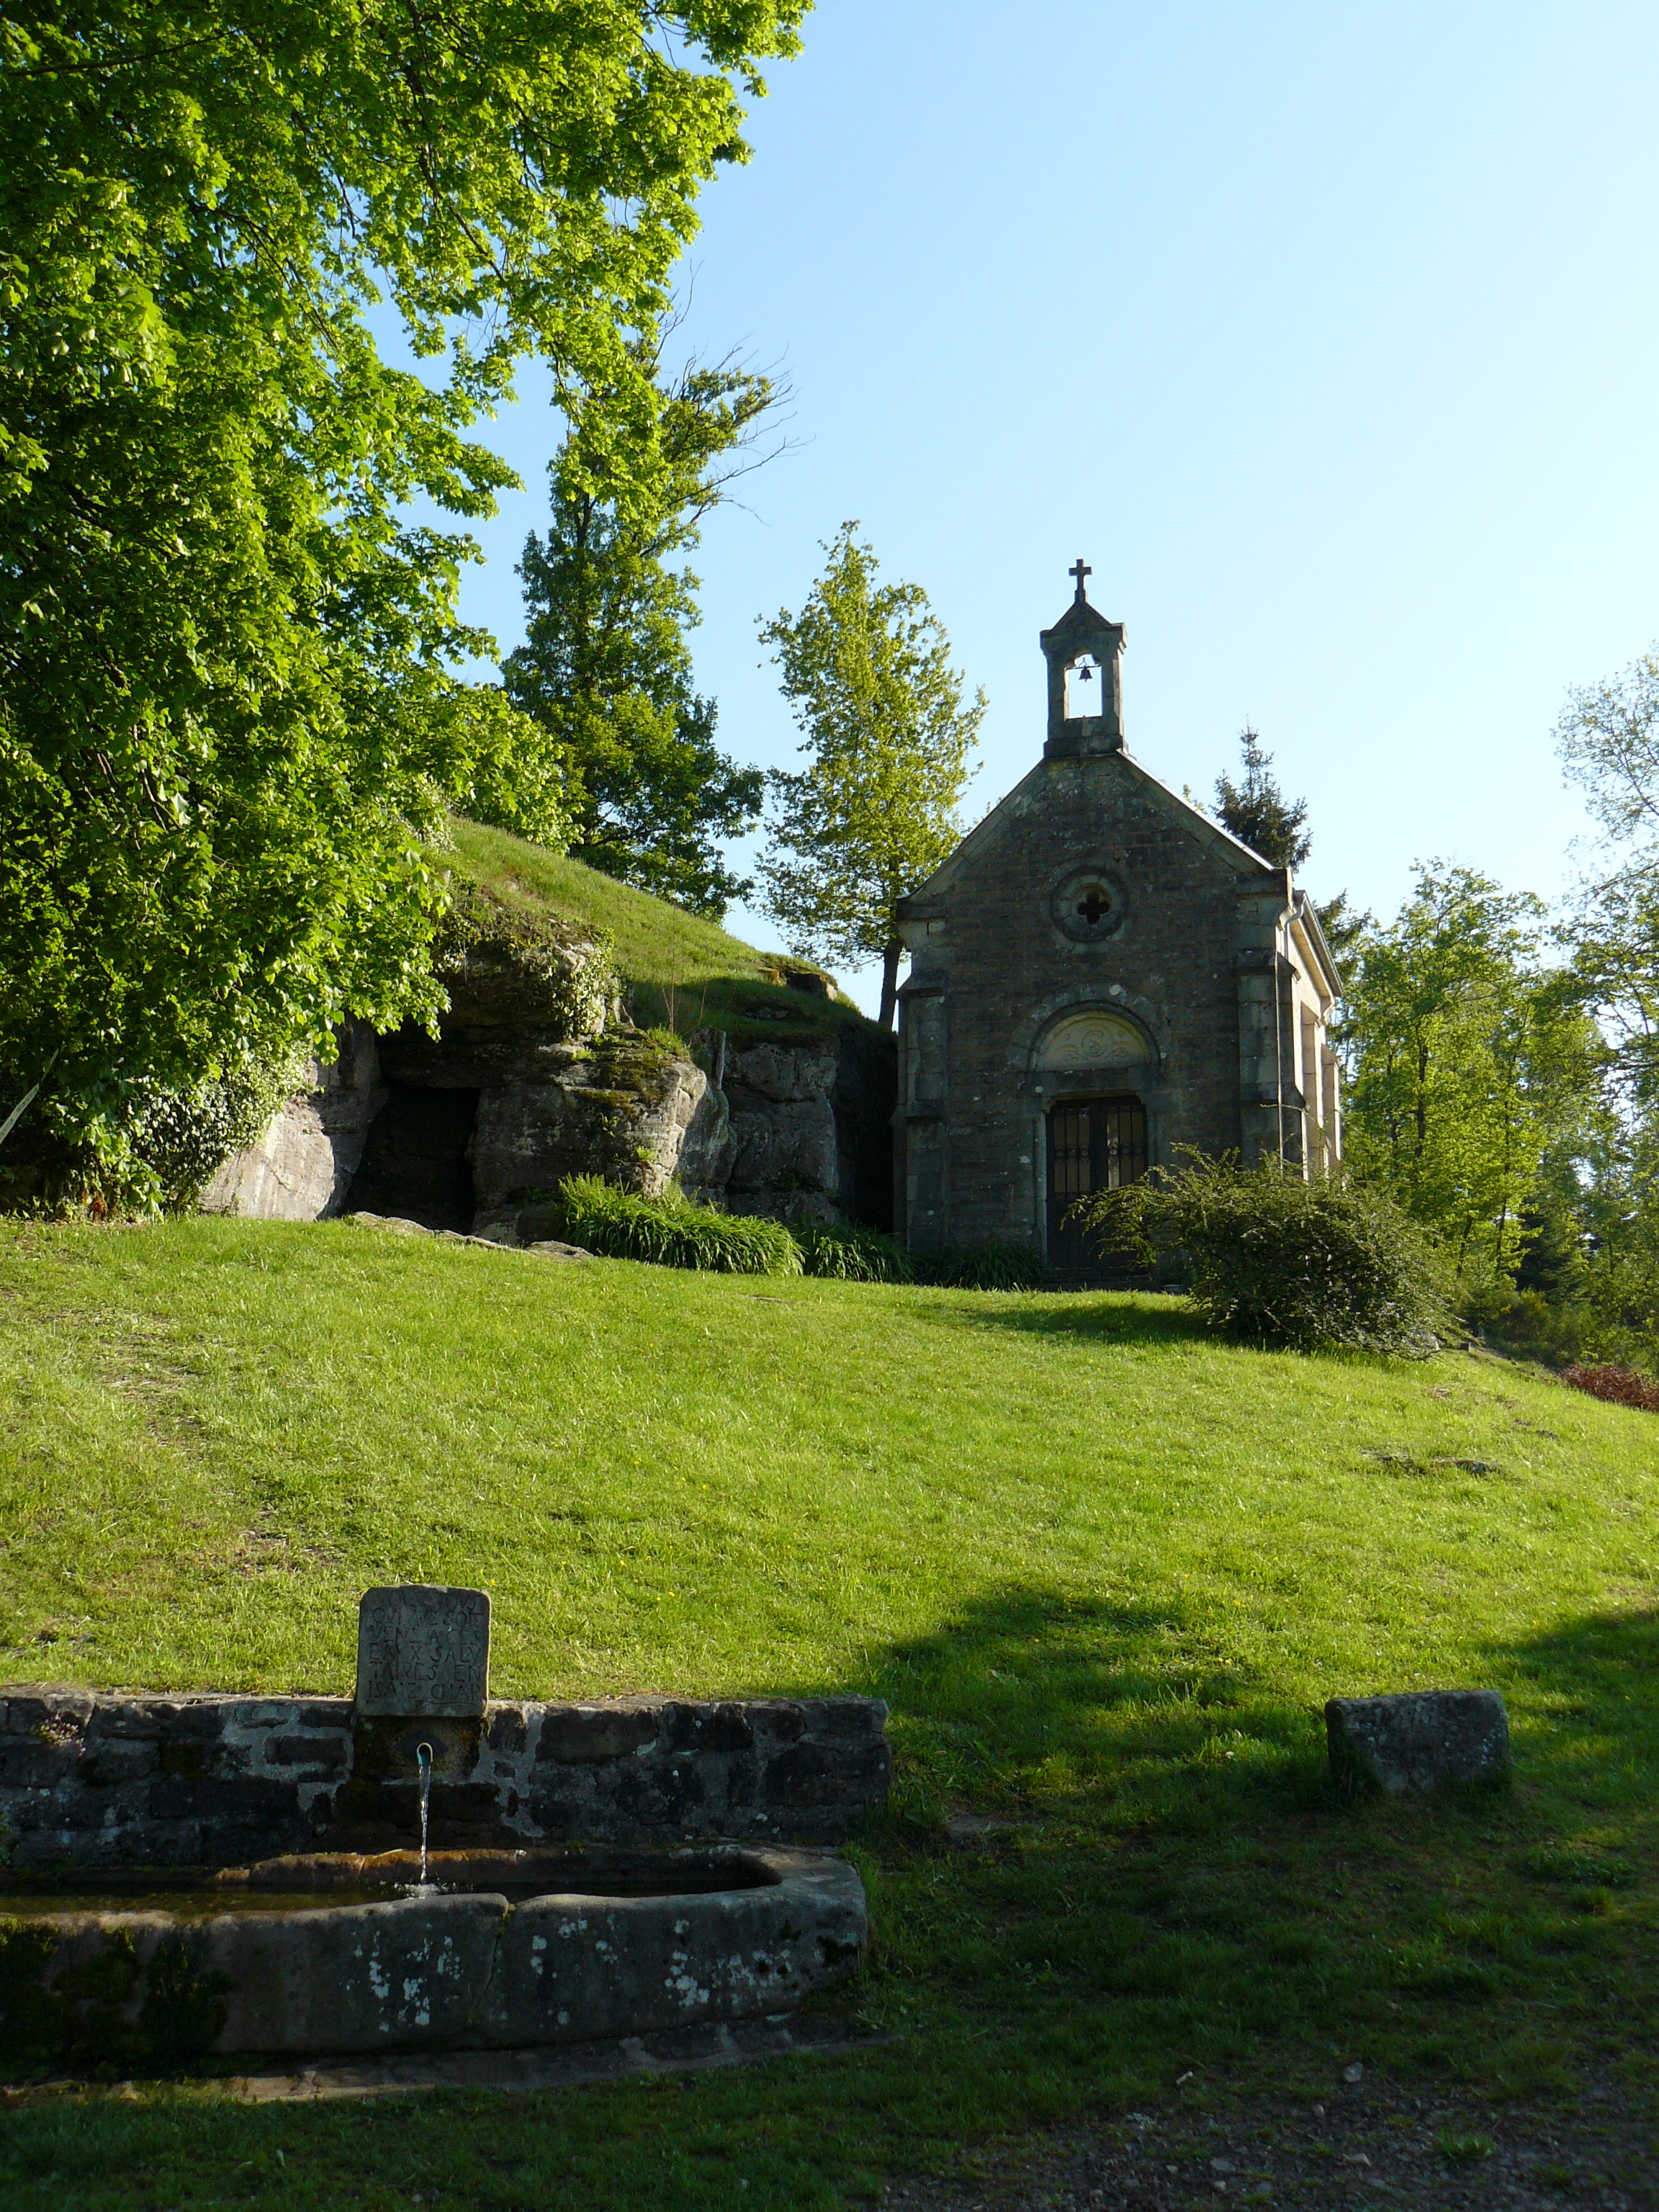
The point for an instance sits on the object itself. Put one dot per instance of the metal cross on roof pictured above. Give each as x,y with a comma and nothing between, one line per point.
1079,568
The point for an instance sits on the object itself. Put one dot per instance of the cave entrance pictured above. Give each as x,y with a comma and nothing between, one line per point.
417,1164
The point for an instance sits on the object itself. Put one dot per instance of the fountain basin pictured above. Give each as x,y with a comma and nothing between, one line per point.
338,1953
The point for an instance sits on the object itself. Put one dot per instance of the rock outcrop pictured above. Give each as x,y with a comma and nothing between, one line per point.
622,1108
534,1077
302,1166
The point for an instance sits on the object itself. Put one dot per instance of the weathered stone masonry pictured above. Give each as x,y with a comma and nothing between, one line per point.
94,1778
1099,974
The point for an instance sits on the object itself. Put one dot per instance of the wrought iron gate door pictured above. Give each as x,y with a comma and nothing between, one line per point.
1094,1144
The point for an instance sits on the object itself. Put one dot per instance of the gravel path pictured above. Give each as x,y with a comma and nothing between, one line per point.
1368,2145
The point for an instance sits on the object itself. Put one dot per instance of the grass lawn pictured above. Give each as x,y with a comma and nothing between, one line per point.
1105,1568
684,973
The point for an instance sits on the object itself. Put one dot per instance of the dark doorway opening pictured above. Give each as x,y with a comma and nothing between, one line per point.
1094,1144
415,1164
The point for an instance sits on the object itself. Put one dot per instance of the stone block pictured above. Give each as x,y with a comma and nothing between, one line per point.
845,1720
114,1779
108,1765
423,1649
29,1715
709,1728
324,1713
776,1720
658,1796
37,1765
791,1144
586,1735
784,1074
176,1720
803,1776
301,1167
385,1749
1421,1740
506,1731
329,1755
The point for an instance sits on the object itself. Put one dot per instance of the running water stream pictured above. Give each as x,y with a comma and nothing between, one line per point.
423,1756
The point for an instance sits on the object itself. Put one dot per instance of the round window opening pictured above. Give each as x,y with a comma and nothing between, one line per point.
1088,905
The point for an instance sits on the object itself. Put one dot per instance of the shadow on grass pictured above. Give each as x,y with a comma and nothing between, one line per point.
1090,1317
1055,1703
1177,1906
1588,1734
1134,1317
1116,1846
1133,1712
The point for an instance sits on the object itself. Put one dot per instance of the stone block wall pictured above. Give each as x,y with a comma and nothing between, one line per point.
997,969
109,1778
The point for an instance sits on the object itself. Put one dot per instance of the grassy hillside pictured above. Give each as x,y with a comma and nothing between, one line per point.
683,971
1105,1568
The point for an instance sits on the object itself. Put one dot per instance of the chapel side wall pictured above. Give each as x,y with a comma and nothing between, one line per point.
995,962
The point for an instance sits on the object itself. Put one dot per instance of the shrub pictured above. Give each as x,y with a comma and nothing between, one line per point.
982,1267
850,1254
1619,1386
672,1232
180,1137
1578,1332
1281,1259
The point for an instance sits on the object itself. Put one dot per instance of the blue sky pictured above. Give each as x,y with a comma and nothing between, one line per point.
1327,335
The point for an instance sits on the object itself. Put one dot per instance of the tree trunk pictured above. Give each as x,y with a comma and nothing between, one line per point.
890,961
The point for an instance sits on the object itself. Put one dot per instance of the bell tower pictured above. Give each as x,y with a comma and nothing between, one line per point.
1084,654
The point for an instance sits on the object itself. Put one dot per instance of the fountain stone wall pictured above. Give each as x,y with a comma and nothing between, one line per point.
112,1777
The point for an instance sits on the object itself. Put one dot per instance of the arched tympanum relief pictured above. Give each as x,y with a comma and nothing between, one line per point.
1095,1039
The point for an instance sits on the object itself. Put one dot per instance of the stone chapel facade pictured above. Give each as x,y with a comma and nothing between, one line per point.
1099,974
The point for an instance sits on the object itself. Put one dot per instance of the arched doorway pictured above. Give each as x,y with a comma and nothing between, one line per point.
1094,1144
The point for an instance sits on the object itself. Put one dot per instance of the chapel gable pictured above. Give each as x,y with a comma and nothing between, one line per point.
1100,976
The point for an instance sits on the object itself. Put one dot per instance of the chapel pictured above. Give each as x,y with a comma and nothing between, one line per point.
1100,975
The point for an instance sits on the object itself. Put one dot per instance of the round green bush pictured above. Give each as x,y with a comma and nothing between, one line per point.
1274,1257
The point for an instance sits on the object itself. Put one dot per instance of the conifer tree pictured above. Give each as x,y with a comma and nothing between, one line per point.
604,666
1259,816
1257,812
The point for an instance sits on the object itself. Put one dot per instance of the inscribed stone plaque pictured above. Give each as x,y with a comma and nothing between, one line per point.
423,1651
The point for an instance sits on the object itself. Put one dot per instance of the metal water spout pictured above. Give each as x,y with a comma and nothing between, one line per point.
423,1759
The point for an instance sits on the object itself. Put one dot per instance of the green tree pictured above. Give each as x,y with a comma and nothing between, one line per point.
1259,816
1608,737
866,669
227,699
1609,743
1258,813
604,668
1469,1059
1345,926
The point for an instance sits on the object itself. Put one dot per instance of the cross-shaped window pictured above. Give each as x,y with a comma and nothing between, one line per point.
1094,907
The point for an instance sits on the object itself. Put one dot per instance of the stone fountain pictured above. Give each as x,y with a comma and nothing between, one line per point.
126,1937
